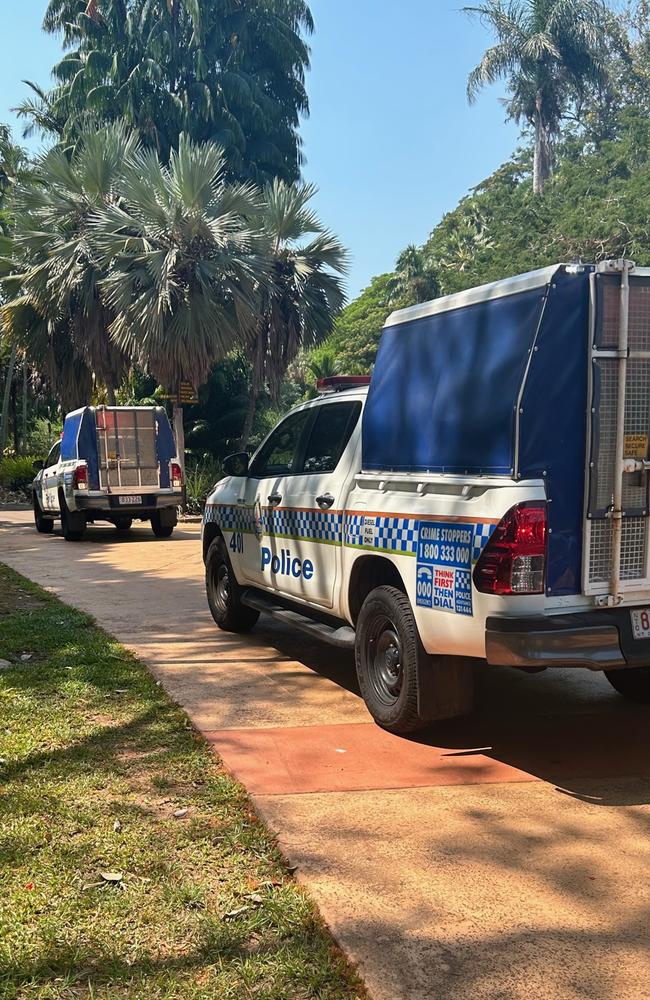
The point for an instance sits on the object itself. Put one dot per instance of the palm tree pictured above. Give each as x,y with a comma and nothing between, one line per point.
550,52
305,291
182,265
224,71
414,279
55,305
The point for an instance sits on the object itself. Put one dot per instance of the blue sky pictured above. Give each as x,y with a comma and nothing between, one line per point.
391,141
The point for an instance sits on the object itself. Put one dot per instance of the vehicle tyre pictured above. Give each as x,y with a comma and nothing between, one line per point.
123,523
160,527
633,683
389,657
224,593
403,687
73,523
44,525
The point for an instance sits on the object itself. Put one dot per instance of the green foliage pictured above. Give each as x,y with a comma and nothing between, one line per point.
414,280
181,261
356,333
16,472
95,761
200,477
227,72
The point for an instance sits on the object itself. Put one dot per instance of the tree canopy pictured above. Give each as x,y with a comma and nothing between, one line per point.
228,71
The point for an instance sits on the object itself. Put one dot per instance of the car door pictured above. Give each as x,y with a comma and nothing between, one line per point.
50,480
261,512
314,498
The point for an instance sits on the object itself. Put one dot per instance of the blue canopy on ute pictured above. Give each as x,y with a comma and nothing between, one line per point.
492,381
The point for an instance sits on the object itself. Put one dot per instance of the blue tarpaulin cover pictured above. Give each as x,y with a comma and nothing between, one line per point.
445,390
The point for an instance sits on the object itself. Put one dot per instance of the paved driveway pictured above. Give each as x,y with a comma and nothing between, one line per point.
504,858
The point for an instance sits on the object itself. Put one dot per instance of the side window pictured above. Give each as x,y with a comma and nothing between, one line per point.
279,454
53,457
329,435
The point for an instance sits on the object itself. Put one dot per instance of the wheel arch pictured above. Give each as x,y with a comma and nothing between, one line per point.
210,532
369,572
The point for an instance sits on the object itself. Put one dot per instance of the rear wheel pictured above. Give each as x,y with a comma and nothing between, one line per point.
73,523
633,683
224,593
123,523
403,687
162,527
44,525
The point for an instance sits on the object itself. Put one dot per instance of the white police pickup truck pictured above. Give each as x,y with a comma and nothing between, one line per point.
113,463
485,498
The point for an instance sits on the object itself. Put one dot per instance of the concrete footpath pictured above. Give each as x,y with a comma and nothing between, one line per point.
504,858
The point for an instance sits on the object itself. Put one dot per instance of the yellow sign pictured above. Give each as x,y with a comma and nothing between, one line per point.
636,446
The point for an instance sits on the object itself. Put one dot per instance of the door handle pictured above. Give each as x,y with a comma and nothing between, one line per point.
274,499
325,500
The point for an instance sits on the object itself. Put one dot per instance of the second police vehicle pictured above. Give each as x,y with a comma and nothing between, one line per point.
484,499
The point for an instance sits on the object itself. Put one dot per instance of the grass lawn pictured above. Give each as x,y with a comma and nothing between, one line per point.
131,864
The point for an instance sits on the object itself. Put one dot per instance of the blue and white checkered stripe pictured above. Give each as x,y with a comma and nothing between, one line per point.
391,534
482,533
229,518
316,525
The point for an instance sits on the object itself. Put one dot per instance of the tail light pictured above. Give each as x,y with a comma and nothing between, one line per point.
80,478
514,559
176,476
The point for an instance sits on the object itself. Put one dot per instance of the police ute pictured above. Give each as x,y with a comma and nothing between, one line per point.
481,499
113,463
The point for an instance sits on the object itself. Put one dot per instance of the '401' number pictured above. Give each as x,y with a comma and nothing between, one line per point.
237,542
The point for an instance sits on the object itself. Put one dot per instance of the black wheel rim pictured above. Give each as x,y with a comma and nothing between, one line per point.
384,660
221,588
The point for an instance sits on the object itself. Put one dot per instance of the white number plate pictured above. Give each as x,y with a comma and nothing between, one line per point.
131,499
640,623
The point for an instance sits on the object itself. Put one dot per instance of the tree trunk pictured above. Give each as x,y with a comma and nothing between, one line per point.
542,155
179,434
14,417
248,420
24,434
110,395
4,417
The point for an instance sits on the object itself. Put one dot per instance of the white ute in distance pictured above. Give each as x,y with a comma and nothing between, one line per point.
484,500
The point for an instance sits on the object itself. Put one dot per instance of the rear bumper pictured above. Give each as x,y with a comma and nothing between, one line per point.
598,640
110,504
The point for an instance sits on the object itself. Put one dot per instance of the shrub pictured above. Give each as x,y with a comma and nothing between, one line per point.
16,473
200,477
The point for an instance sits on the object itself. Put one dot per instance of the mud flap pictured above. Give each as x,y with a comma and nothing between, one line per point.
445,686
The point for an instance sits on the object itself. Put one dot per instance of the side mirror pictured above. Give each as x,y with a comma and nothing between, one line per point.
38,465
237,464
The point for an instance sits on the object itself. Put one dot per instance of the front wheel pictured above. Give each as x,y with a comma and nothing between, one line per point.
44,525
224,593
633,683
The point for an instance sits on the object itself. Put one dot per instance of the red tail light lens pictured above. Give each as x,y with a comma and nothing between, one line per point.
514,559
176,476
80,478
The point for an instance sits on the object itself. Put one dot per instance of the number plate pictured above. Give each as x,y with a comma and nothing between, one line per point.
640,623
135,498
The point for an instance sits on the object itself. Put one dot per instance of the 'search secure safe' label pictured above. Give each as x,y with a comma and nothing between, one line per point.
444,566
